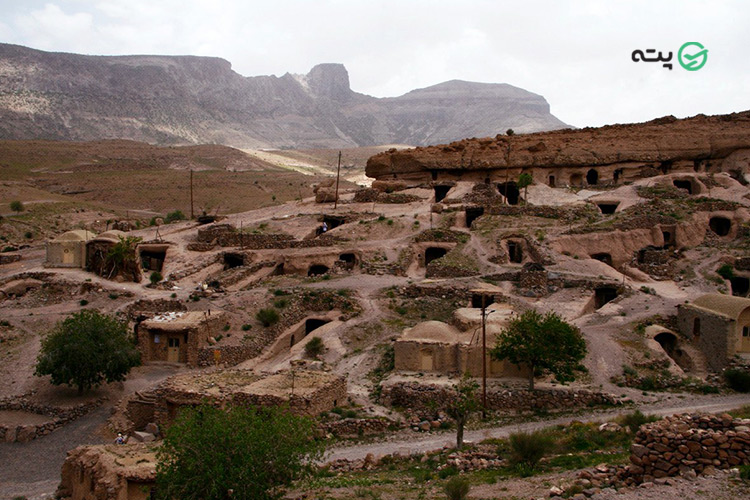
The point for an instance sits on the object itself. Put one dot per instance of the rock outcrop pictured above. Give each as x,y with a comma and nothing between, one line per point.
186,99
560,157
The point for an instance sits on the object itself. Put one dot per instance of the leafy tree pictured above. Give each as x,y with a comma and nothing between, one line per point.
121,259
237,453
464,404
16,206
86,349
545,344
510,131
524,181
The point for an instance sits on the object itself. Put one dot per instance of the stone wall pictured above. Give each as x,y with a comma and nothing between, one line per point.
679,444
58,418
431,398
355,427
714,332
7,258
227,355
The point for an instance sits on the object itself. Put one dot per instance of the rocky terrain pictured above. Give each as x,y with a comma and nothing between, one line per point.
185,100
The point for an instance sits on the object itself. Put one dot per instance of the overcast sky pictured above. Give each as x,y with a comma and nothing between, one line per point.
577,54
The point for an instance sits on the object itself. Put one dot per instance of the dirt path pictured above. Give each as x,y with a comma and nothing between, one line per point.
407,443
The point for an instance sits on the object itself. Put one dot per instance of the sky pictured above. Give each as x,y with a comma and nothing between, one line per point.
575,53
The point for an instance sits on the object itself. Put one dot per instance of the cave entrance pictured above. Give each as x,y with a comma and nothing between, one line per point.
551,181
592,177
603,257
608,208
603,295
665,166
278,270
433,253
349,259
510,191
686,185
476,300
668,342
740,285
441,192
668,237
515,252
317,270
720,225
312,324
472,214
333,221
616,175
152,258
232,260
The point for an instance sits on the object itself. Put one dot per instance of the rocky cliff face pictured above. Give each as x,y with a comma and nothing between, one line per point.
659,144
185,99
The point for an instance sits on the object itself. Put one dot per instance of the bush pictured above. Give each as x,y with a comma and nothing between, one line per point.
527,449
280,303
174,216
726,271
16,206
457,488
246,327
738,380
745,473
635,420
267,316
314,347
155,277
83,302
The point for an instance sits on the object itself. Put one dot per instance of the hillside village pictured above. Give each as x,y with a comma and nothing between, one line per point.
638,235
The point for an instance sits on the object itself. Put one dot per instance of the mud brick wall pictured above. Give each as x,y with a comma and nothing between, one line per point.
681,443
228,355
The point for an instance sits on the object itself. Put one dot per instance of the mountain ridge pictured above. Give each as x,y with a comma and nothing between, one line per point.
194,99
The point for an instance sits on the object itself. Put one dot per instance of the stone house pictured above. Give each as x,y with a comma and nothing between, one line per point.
69,249
434,346
719,325
177,336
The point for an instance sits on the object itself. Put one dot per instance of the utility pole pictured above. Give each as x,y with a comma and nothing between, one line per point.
484,356
338,174
192,214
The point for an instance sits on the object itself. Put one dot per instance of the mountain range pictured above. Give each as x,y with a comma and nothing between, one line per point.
190,99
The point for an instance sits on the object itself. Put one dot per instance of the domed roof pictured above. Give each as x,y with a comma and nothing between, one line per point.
433,331
112,234
76,235
725,305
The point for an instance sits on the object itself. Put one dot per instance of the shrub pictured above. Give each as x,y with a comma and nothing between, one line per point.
726,271
267,316
155,277
457,488
738,380
246,327
635,420
83,302
174,216
28,235
314,347
527,449
745,473
280,303
16,206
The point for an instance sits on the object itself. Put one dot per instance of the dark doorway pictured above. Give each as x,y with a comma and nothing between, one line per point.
279,270
441,192
232,260
472,214
697,327
551,181
434,174
333,221
617,174
153,260
686,185
476,300
604,295
668,238
740,286
608,208
349,259
592,177
515,252
720,225
433,253
510,191
667,341
317,270
665,167
314,323
603,257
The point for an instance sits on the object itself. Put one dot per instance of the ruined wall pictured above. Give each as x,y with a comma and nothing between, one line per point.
58,417
680,443
712,339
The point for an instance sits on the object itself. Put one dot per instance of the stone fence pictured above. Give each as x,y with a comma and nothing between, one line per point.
58,417
432,398
679,444
355,427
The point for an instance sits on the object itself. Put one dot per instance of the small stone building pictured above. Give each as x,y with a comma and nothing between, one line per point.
69,249
177,336
434,346
108,472
719,325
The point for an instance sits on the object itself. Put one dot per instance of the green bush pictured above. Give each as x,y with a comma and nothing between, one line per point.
314,347
267,316
16,206
174,216
527,449
635,420
83,302
457,488
246,327
745,473
280,303
738,380
726,271
155,277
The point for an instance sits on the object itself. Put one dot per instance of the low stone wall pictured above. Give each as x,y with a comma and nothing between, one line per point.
432,398
7,258
58,418
355,427
678,444
228,355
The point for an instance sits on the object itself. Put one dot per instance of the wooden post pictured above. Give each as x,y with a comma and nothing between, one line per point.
484,356
338,174
192,214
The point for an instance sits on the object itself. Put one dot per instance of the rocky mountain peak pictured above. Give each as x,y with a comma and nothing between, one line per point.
330,80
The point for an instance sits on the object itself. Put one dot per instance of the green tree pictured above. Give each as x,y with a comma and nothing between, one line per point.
238,453
121,259
315,347
524,181
462,406
545,344
16,206
86,349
